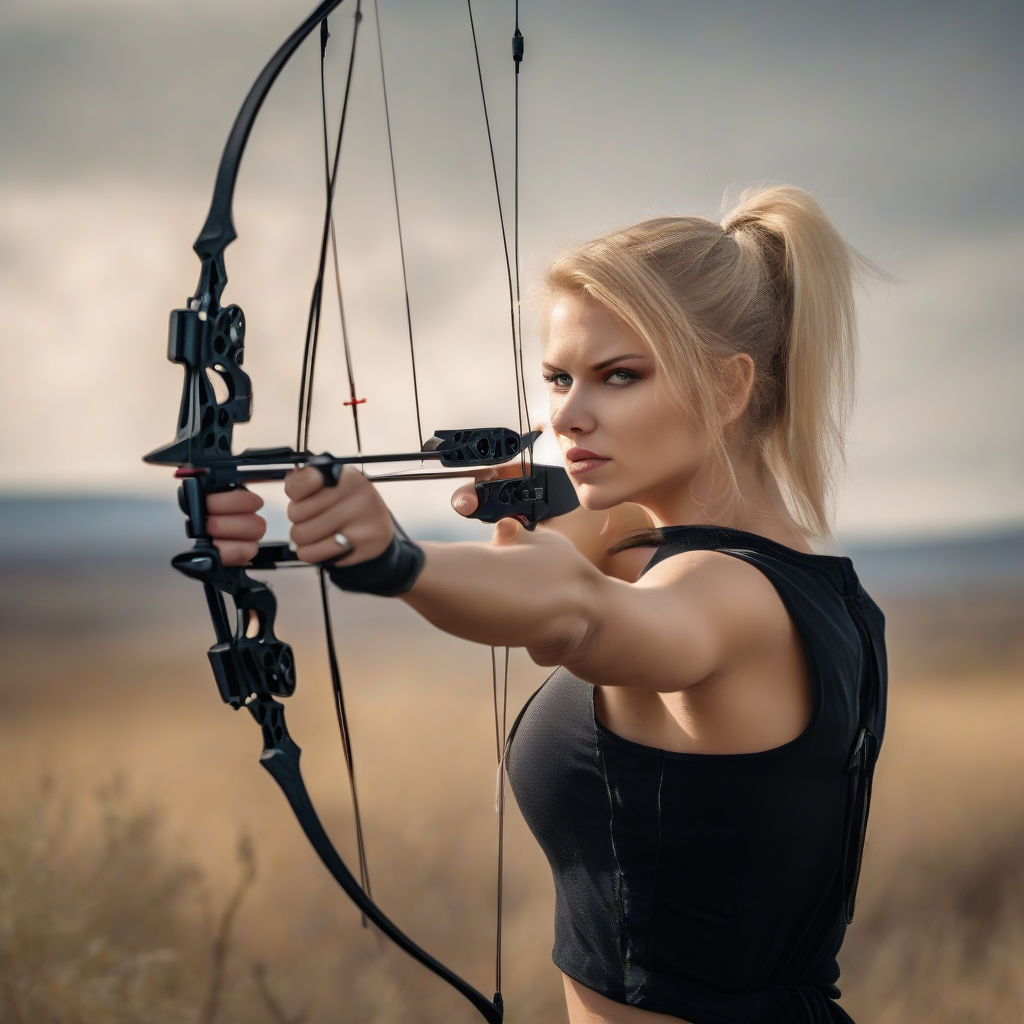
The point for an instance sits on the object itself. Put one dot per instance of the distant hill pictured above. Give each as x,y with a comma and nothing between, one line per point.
88,527
966,562
96,528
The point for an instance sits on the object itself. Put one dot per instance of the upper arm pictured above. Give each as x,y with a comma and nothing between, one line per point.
692,615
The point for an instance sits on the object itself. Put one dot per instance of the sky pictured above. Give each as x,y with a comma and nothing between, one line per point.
904,119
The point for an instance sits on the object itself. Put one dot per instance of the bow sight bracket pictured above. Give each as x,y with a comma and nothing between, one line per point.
545,493
217,392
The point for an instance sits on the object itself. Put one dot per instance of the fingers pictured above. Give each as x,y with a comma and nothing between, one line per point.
352,509
507,531
365,542
238,501
310,496
236,552
301,483
239,527
348,516
232,521
464,500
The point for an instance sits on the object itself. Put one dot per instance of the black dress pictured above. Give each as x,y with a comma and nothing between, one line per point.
715,888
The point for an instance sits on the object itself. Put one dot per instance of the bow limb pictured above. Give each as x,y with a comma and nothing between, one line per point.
252,667
219,230
280,757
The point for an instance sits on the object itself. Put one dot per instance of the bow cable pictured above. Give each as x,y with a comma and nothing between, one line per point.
332,656
513,289
346,736
316,301
517,59
353,401
398,221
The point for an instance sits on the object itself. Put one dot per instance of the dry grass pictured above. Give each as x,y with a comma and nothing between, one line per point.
113,905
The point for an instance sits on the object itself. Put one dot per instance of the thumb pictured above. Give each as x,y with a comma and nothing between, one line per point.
506,531
464,500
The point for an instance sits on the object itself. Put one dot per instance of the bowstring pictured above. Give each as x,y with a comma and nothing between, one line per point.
517,59
398,221
309,360
500,740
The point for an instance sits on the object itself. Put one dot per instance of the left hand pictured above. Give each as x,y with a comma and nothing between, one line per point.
351,509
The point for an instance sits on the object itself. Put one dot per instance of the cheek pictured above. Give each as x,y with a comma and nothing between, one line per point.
658,433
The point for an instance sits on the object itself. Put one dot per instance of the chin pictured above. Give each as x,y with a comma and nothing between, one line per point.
595,498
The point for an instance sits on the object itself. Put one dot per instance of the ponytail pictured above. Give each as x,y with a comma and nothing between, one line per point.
774,280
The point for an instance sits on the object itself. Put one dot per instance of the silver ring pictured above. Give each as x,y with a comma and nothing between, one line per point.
343,542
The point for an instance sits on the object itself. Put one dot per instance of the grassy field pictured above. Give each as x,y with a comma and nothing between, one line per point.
150,871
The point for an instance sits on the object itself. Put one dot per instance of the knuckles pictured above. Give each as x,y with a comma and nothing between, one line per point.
235,552
238,501
303,483
237,527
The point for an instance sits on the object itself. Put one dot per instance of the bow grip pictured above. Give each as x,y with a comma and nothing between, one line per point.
547,492
195,486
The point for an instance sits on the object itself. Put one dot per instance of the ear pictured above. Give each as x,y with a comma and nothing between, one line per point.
738,377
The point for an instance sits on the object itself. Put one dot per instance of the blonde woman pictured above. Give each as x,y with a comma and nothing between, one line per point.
697,768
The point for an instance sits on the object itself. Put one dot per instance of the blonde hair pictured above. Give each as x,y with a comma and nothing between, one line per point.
773,280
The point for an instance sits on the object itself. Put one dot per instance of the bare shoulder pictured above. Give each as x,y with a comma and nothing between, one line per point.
736,598
692,616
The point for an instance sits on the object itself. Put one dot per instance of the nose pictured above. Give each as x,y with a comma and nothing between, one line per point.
570,413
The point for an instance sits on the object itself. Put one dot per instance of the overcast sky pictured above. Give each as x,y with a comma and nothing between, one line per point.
905,119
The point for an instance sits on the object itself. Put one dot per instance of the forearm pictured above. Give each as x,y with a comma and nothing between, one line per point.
540,596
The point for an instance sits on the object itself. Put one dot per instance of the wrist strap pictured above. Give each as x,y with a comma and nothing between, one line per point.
387,575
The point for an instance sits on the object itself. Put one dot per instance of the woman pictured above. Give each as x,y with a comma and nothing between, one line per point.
697,769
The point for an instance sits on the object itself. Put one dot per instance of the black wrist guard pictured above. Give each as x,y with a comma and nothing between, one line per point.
387,575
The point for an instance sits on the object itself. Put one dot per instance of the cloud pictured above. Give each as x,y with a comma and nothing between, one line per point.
939,437
905,120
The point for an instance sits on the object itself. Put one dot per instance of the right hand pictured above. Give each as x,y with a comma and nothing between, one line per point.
232,522
352,508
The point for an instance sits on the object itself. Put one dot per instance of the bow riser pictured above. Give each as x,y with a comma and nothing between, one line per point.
211,348
248,658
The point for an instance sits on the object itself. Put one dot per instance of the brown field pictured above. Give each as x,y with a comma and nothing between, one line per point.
136,820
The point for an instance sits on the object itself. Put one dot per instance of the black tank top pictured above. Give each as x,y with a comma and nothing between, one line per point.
715,888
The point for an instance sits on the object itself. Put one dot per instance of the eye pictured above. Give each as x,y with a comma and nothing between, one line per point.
559,381
621,377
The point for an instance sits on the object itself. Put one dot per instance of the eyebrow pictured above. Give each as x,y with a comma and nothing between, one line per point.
604,364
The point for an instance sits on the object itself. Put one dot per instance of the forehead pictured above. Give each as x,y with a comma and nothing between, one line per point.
580,328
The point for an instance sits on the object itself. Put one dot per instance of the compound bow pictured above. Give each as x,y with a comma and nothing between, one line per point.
252,667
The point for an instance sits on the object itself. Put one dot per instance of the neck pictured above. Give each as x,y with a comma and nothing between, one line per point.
709,499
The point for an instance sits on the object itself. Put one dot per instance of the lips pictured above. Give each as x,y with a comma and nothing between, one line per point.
581,460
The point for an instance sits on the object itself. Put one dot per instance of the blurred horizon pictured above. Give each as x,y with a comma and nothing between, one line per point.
83,527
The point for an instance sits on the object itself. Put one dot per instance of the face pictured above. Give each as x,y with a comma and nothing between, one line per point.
623,440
